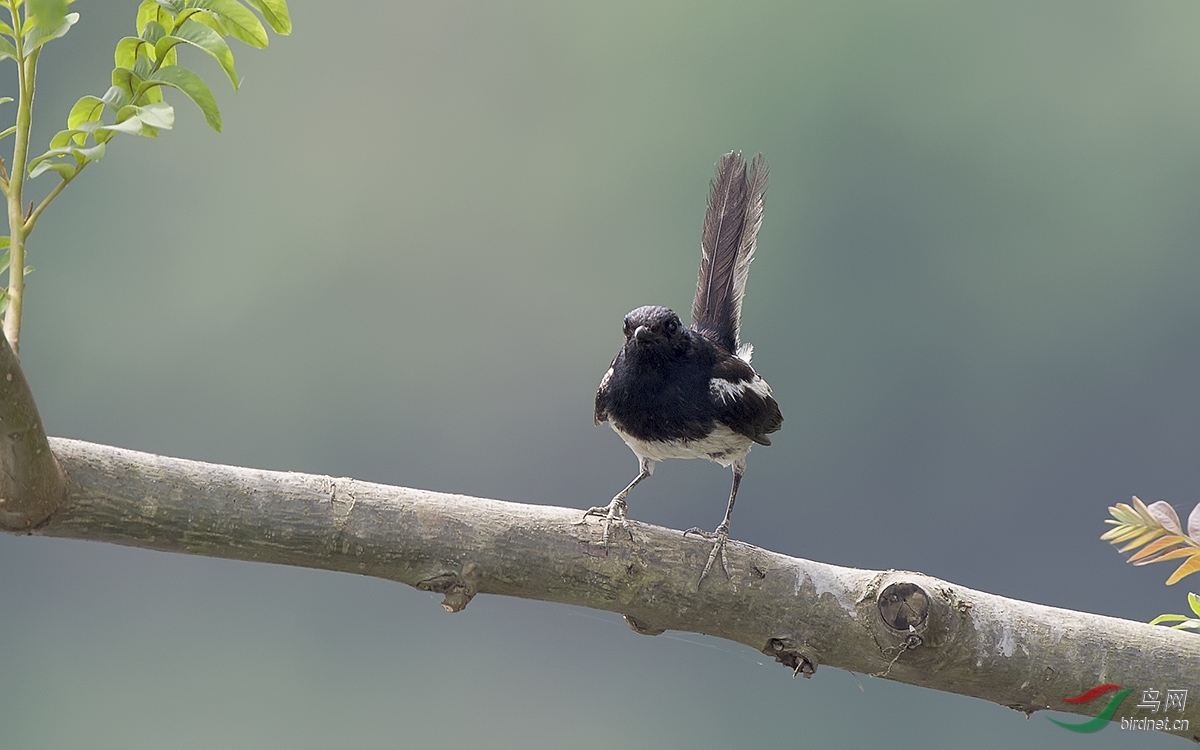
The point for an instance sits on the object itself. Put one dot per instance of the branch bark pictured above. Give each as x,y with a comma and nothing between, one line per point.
903,626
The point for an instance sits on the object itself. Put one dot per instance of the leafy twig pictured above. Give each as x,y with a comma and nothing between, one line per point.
1157,530
1156,526
134,105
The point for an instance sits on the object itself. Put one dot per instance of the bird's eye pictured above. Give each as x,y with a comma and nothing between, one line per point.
672,326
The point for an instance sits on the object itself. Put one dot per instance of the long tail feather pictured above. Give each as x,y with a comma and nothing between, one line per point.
756,191
730,230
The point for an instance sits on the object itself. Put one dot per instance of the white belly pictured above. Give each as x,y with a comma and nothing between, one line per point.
724,446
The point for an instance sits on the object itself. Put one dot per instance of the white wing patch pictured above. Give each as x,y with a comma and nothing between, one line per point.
759,386
726,391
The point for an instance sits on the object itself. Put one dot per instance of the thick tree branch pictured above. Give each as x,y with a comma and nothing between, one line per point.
903,626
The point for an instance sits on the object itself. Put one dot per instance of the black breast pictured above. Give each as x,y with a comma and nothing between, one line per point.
661,397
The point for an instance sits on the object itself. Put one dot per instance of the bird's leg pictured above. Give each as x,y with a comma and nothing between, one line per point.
721,535
615,510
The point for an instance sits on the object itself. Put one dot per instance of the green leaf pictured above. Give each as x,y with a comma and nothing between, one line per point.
129,125
39,36
189,83
63,138
151,12
1194,603
7,50
238,20
142,67
211,22
174,7
160,115
276,14
91,153
127,51
115,98
49,13
60,140
145,121
82,156
125,80
65,170
8,131
52,153
1183,622
151,96
87,109
1167,618
5,241
202,37
153,31
5,99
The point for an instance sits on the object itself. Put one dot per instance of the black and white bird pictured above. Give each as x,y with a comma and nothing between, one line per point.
679,392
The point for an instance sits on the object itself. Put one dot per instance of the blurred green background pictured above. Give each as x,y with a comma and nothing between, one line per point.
407,260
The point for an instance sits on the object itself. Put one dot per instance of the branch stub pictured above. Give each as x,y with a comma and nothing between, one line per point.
904,606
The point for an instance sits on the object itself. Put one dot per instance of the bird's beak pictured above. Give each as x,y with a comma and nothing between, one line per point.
643,334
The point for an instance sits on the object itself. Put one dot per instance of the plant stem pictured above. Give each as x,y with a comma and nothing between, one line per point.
33,216
26,70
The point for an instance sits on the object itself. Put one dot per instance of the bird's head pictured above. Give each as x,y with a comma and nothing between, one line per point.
654,330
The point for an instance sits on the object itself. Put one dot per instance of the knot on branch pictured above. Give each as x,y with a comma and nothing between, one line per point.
787,652
914,617
457,590
904,607
641,627
341,502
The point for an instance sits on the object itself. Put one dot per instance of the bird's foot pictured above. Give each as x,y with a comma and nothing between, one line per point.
613,512
718,537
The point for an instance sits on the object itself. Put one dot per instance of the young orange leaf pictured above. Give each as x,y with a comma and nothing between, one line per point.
1169,555
1189,567
1157,545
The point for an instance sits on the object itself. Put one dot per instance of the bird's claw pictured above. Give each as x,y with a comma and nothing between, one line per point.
718,537
614,511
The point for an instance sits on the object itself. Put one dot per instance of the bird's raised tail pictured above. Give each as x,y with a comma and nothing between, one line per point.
730,230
